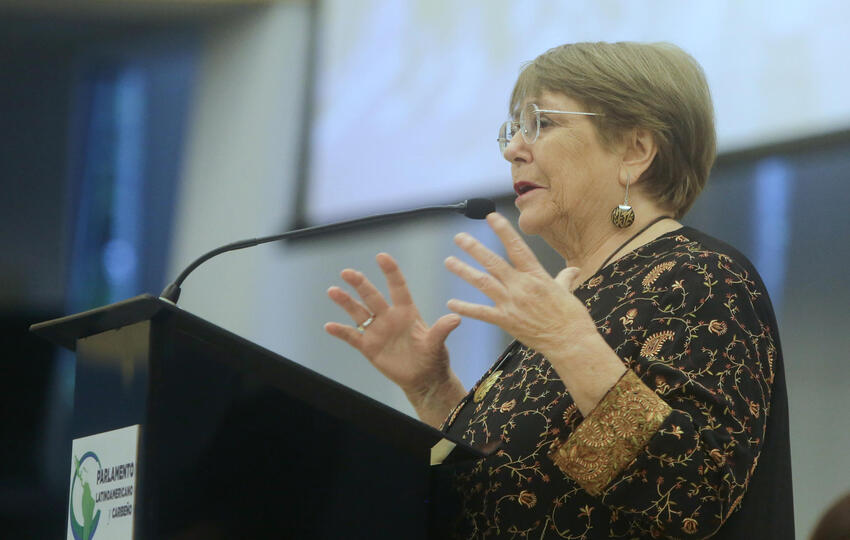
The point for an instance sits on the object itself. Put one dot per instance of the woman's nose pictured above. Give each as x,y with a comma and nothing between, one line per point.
517,149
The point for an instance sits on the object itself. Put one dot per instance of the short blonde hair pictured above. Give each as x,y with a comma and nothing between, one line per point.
654,86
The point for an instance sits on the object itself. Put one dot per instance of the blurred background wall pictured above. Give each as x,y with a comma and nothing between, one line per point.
136,135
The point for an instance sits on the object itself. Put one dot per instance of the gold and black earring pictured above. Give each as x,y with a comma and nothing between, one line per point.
623,216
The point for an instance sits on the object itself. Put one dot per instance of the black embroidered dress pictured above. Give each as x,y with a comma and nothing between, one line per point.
696,431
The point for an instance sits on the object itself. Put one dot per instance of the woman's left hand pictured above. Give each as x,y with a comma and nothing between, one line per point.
539,311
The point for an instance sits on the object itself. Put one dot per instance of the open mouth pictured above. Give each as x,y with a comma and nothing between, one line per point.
522,188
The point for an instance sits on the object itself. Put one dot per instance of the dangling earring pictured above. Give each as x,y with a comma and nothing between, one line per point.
623,216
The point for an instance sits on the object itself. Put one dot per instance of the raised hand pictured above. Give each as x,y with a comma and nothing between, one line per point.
529,304
539,311
398,342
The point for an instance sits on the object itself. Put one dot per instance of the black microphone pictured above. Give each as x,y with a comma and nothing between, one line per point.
471,208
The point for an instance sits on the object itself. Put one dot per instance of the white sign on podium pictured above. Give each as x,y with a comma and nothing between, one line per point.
103,485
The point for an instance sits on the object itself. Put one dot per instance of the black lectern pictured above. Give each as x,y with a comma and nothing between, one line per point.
238,442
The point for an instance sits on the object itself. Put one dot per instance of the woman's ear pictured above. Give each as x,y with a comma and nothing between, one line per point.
638,153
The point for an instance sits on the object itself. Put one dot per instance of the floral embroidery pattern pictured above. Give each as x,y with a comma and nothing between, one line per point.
527,499
485,387
629,317
655,273
674,458
610,438
652,345
717,327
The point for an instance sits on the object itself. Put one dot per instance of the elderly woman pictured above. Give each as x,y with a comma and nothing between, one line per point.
644,395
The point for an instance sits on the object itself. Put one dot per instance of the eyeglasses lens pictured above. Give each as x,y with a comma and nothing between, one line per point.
505,135
529,121
528,125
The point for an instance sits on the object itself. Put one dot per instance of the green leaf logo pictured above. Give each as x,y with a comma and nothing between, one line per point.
84,531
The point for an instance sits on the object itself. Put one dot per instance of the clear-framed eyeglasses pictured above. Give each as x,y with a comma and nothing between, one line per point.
529,124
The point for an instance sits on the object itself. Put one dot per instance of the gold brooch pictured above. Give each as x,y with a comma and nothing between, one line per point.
485,387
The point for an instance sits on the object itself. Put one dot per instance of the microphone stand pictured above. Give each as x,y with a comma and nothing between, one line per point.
471,208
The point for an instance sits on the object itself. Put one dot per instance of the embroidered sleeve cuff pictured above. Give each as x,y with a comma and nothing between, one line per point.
612,435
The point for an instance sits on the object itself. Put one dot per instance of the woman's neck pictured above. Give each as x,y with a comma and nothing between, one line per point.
589,249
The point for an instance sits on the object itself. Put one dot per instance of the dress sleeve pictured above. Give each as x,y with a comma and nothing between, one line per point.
675,442
612,435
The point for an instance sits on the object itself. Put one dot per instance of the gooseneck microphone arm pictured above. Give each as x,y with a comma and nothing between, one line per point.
471,208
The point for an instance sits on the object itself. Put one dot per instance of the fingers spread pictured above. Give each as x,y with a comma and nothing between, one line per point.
493,263
475,311
355,309
443,327
518,251
371,296
399,293
345,333
482,281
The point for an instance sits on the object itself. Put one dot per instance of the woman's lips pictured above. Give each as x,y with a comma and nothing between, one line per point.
522,188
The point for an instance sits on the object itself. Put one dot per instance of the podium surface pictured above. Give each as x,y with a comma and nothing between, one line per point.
239,442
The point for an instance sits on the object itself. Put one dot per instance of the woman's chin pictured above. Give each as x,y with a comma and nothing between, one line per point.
529,223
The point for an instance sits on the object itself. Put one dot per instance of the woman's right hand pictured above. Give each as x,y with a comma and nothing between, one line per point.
398,342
